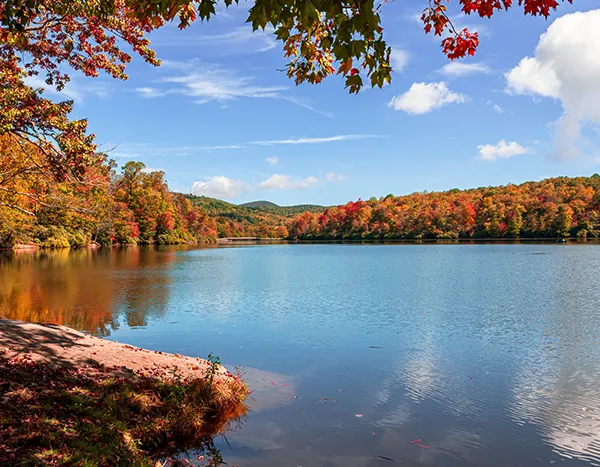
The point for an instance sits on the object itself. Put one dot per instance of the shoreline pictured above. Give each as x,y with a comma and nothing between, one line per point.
220,243
137,404
57,345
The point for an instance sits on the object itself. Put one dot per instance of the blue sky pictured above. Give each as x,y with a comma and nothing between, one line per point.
220,119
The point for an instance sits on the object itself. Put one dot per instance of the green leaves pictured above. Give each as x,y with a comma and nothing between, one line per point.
319,35
354,83
206,9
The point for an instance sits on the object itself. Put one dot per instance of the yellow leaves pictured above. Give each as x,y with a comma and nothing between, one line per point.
290,49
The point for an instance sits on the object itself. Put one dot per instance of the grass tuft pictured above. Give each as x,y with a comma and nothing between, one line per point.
56,416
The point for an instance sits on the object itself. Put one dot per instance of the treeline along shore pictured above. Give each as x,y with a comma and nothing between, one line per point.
134,206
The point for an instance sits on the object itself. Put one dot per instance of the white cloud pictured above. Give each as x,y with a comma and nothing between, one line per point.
213,83
238,40
245,35
272,160
220,187
301,103
424,97
73,90
566,67
498,109
149,92
137,150
285,182
533,77
327,139
152,169
221,146
502,150
335,177
458,69
210,84
398,59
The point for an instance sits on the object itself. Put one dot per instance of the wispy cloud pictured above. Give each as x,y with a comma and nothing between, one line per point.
149,92
220,147
237,40
140,150
272,160
286,182
214,83
327,139
459,69
398,59
335,177
74,90
301,103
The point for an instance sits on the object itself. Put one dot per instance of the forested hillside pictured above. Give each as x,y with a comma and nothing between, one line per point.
556,207
239,221
259,204
267,206
101,206
107,206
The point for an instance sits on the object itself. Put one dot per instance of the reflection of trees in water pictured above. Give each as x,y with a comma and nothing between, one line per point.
85,289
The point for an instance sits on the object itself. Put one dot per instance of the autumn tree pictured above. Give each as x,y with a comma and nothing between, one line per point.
320,38
34,201
547,209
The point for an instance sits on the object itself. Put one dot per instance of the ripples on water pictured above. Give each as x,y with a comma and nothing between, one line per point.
488,355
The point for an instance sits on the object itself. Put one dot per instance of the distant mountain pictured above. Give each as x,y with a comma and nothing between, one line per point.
259,204
261,218
268,206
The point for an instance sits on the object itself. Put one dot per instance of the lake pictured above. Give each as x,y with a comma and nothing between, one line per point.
359,355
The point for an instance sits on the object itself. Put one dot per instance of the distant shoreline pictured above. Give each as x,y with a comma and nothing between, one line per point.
276,241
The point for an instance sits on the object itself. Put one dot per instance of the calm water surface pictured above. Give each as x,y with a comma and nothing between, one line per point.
488,355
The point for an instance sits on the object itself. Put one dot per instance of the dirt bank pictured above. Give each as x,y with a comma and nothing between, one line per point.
67,398
60,345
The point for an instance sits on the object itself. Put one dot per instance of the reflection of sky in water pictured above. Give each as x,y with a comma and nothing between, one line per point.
487,354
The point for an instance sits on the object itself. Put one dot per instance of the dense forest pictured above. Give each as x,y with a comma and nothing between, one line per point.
131,205
107,206
255,219
556,207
